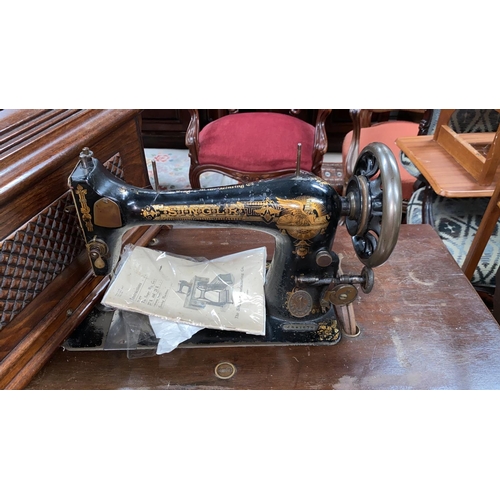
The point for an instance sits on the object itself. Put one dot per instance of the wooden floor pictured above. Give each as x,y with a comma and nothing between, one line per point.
422,327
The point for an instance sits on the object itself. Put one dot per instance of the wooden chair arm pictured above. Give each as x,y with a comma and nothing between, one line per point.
361,118
320,140
353,152
192,136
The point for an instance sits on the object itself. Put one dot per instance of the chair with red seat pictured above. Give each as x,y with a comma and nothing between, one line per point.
387,132
255,145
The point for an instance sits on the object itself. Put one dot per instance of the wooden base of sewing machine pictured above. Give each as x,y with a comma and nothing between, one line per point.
422,327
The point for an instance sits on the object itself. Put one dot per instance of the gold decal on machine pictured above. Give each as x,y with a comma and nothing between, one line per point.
328,331
301,248
85,209
301,218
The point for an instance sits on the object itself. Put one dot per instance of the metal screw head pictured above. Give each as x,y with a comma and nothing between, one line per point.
342,295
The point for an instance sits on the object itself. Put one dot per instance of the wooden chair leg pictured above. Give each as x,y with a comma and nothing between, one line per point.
488,223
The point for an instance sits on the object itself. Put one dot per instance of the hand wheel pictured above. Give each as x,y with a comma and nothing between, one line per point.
375,204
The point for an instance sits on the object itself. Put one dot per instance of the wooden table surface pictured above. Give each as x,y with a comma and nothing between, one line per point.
422,327
446,176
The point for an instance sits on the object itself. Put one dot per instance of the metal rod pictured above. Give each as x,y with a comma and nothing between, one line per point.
86,157
155,175
345,279
299,150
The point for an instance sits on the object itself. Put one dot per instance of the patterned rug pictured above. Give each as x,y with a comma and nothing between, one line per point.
457,221
172,166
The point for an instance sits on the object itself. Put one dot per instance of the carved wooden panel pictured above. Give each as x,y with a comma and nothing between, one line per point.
46,284
35,254
40,250
114,165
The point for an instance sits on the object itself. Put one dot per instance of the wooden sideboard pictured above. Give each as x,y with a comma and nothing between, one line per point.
166,128
46,285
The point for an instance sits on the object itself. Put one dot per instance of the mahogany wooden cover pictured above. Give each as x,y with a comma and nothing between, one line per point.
46,286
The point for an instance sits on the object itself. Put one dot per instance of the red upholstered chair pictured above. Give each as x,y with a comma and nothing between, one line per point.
385,132
255,145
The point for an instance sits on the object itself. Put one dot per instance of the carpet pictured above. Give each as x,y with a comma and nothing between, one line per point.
172,166
457,220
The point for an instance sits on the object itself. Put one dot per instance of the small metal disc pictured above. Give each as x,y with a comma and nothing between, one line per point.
225,370
342,295
300,303
369,277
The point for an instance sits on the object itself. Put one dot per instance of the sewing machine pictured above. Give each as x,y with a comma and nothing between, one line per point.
308,299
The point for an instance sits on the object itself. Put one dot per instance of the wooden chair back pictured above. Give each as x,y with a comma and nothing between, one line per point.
362,118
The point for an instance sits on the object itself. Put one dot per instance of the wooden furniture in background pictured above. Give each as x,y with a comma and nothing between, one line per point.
461,166
422,327
386,132
248,146
477,153
483,234
166,128
46,286
456,165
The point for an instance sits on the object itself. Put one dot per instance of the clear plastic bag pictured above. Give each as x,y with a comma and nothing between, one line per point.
144,336
225,293
170,333
132,332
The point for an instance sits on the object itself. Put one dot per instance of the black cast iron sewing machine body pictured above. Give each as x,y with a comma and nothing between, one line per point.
304,289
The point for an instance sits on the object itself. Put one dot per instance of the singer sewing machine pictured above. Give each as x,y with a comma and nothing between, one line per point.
308,299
